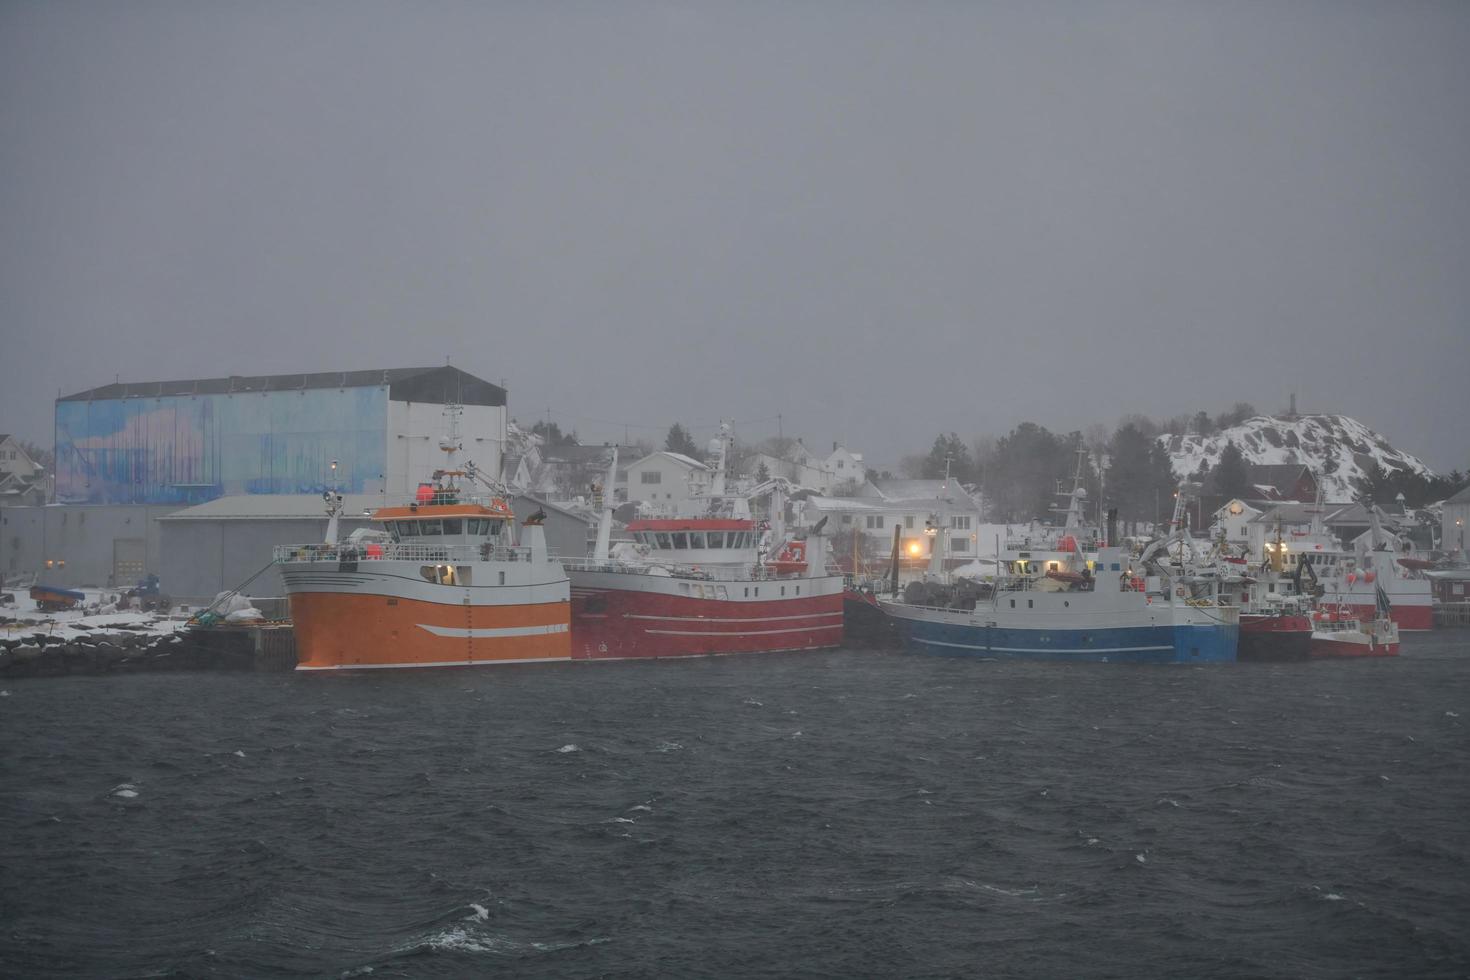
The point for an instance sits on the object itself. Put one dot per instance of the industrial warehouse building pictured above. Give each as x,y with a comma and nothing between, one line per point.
130,455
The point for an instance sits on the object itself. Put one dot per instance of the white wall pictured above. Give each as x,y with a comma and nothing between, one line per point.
414,431
21,465
673,480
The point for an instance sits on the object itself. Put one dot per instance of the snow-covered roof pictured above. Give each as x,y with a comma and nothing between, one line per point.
849,505
679,458
1463,497
277,507
914,491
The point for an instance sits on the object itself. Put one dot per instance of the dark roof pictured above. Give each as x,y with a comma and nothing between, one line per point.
431,384
1279,475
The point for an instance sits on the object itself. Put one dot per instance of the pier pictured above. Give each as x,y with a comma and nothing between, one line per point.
269,646
1449,614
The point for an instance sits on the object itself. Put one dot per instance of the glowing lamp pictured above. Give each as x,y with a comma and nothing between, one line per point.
915,549
1352,577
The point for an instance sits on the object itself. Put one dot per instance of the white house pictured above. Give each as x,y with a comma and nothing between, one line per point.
664,478
14,461
22,481
805,469
1455,523
803,474
910,505
844,464
1234,520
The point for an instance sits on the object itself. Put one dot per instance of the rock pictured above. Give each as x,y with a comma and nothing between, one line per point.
26,651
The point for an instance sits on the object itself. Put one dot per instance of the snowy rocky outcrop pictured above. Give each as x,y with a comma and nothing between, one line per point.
1337,448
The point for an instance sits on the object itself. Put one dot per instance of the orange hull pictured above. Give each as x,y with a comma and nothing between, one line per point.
336,630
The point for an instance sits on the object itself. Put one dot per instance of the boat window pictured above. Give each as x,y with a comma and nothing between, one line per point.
430,573
696,539
663,541
717,539
681,543
431,528
452,525
410,528
462,572
495,526
446,575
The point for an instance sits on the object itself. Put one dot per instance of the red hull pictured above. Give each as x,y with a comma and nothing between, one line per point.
1274,637
1406,617
613,624
1325,649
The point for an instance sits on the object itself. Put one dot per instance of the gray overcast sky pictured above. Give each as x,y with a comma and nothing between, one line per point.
880,220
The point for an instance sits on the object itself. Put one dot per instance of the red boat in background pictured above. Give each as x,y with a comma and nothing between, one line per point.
712,581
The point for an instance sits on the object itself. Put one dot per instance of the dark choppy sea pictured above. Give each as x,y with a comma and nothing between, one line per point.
830,815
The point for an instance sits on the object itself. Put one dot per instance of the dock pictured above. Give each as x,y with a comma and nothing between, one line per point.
1451,614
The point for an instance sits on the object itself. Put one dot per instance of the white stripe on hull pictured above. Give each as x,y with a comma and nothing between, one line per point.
735,619
1038,649
485,634
798,629
441,663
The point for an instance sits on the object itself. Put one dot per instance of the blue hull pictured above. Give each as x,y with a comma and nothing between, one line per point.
1139,644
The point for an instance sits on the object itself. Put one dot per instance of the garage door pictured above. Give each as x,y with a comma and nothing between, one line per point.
129,561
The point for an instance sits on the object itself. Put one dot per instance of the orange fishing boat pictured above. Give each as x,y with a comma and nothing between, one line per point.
446,583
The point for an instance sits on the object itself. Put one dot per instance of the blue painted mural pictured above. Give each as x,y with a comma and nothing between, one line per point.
187,449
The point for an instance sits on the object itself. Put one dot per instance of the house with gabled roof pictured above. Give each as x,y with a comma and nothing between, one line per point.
665,478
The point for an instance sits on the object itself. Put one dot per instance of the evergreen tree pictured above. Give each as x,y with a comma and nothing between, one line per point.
680,441
1140,479
552,434
1230,477
1021,474
953,450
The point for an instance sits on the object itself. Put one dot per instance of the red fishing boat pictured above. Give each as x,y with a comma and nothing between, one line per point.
708,581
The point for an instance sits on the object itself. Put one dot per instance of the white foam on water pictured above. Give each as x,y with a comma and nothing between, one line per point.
1165,799
796,734
482,914
125,790
1091,841
619,820
668,747
754,703
1008,892
4,694
1140,859
1447,714
569,748
1332,897
240,753
645,809
461,940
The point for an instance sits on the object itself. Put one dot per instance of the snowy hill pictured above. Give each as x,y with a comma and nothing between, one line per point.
1337,448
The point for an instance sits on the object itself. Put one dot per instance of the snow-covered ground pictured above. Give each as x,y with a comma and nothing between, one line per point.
1337,448
96,616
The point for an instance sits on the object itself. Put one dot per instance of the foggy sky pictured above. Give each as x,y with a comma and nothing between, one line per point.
881,221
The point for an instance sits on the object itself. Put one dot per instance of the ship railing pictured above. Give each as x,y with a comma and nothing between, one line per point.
706,573
441,499
376,551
